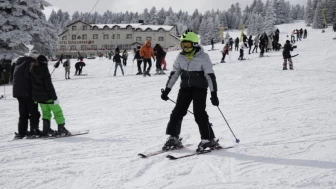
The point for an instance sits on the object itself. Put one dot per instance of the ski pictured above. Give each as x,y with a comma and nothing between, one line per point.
150,154
74,133
171,157
294,55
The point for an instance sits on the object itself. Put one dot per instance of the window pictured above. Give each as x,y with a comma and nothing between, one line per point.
118,36
84,27
83,47
84,36
106,36
129,36
73,37
149,38
79,37
74,28
161,38
64,38
73,47
63,47
113,36
95,36
94,47
138,39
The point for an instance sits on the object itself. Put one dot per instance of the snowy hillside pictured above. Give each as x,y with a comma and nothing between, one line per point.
284,119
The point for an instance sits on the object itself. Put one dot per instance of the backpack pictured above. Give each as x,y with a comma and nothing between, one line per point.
66,64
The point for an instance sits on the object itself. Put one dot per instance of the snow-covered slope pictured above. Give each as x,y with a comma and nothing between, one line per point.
284,119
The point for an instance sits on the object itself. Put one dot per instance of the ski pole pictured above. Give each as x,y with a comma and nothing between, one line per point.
52,72
110,70
237,140
4,91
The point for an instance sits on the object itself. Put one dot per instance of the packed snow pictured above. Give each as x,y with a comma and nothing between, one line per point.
285,121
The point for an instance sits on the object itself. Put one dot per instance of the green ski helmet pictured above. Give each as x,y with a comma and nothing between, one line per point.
189,36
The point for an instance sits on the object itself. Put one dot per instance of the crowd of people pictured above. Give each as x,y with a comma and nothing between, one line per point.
265,43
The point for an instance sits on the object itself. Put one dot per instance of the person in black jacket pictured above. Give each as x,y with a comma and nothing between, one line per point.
250,43
160,55
79,67
22,90
287,55
212,44
43,92
236,44
117,59
139,60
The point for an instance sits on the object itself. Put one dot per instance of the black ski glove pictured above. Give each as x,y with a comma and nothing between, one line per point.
214,99
165,92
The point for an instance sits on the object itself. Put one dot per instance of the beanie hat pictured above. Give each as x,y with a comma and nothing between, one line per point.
42,59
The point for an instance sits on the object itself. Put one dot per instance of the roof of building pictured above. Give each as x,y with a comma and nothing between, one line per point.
140,26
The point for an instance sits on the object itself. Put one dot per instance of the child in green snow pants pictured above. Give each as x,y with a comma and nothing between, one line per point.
55,108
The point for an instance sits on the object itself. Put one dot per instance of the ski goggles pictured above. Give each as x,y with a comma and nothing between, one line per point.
186,45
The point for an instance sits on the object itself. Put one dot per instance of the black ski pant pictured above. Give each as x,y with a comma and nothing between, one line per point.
139,62
236,48
223,57
149,61
250,49
262,50
185,96
28,110
158,64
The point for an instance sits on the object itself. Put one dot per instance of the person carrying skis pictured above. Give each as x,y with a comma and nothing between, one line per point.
124,57
117,59
67,67
225,52
146,52
43,92
160,56
195,68
139,60
287,55
236,43
28,110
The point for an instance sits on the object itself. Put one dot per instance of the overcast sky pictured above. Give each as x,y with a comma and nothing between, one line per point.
139,5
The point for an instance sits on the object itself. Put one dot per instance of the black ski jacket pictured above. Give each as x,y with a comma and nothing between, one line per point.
286,52
117,58
42,88
22,78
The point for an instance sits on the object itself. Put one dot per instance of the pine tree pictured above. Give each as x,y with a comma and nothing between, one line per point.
318,21
202,32
251,27
161,16
23,23
270,19
258,7
215,30
308,18
153,19
259,24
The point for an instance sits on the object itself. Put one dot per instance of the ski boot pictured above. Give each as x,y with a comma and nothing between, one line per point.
147,73
139,73
62,131
222,61
35,133
47,131
172,143
204,144
162,73
18,136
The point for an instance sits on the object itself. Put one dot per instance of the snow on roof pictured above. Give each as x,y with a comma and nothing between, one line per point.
135,26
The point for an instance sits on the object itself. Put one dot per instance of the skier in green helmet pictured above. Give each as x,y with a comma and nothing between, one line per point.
195,68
